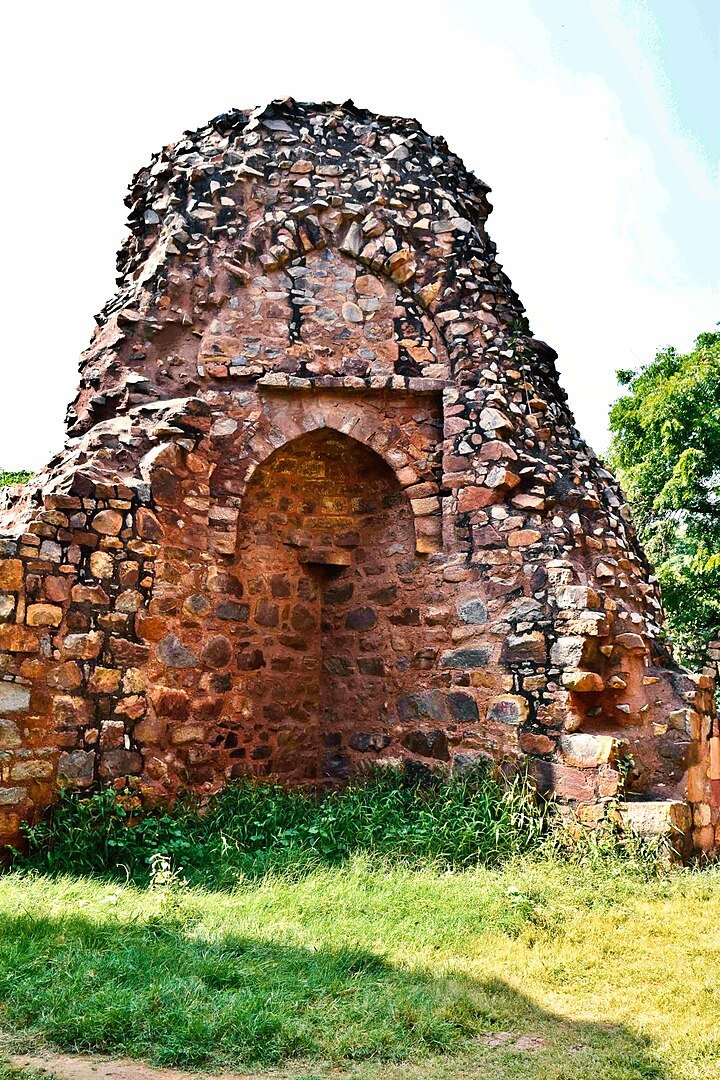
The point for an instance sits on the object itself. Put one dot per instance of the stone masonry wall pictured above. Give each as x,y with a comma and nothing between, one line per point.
322,503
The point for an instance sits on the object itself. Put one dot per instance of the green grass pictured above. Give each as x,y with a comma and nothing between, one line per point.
405,927
253,828
376,970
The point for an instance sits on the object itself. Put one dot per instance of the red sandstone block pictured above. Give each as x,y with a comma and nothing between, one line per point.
474,498
85,539
573,785
536,743
523,538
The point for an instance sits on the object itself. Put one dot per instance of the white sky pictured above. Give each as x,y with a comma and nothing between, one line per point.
594,122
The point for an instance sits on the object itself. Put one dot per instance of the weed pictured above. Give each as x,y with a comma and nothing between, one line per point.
7,478
252,828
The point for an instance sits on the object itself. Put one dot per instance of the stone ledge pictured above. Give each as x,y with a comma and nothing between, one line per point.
408,384
666,819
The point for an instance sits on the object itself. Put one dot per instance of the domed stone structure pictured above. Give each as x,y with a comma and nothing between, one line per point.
323,503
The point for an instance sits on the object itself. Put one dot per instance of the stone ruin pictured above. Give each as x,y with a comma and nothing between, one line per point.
322,503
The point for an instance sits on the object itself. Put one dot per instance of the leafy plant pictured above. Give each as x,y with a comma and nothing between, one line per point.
252,827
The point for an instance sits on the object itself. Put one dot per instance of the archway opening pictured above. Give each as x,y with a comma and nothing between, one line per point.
326,560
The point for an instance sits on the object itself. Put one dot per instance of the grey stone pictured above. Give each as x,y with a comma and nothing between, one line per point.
586,751
423,705
51,551
660,818
577,597
525,610
117,763
10,736
470,765
568,652
197,604
233,611
76,768
361,619
13,698
365,740
462,659
11,796
670,820
462,707
508,709
473,611
432,744
173,653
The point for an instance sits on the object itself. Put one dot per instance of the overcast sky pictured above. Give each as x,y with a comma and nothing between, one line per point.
594,122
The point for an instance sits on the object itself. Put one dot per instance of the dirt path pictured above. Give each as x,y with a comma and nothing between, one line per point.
97,1067
86,1067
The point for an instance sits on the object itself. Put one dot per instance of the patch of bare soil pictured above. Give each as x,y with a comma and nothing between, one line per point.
523,1043
93,1067
87,1067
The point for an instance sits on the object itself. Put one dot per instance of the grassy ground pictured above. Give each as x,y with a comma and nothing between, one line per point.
538,970
7,1072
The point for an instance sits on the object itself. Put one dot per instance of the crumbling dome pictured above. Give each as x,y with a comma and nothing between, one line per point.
323,503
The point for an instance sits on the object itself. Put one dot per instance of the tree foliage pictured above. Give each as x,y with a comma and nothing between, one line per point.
666,452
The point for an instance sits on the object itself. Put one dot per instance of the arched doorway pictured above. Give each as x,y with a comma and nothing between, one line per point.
325,558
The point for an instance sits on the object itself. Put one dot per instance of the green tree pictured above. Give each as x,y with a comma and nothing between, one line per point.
665,451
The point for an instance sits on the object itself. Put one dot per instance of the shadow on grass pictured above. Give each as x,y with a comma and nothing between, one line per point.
161,989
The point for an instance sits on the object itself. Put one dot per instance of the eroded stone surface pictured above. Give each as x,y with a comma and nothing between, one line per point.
323,503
